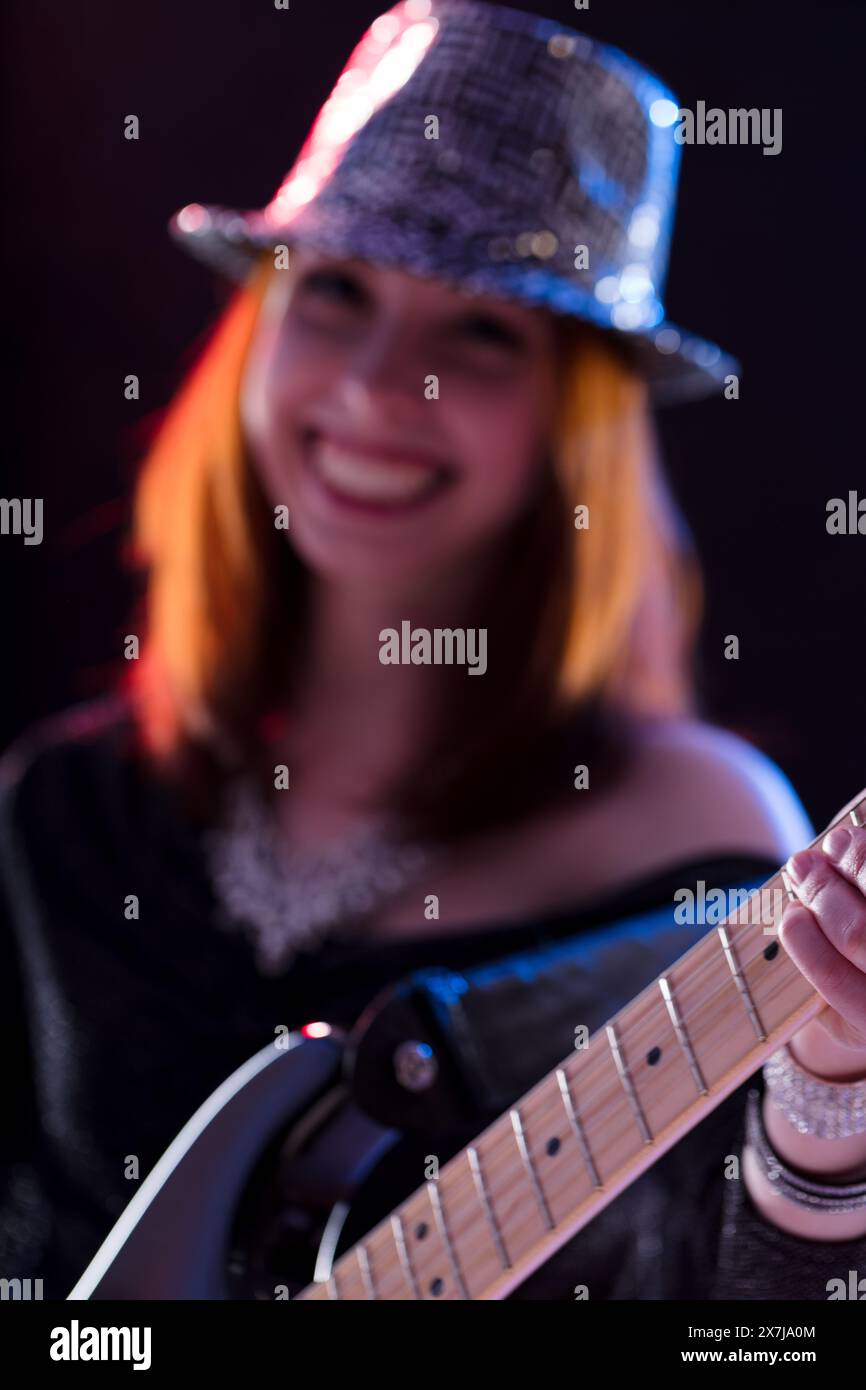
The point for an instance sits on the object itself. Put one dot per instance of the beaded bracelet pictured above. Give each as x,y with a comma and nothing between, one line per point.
806,1192
825,1109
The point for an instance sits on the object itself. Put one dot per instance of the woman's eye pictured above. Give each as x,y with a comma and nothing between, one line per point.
490,332
333,286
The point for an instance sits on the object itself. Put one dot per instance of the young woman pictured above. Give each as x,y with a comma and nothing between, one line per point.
407,432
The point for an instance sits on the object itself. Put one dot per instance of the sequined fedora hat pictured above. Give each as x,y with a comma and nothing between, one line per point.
500,152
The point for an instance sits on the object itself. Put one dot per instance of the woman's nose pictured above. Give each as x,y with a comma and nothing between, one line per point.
387,363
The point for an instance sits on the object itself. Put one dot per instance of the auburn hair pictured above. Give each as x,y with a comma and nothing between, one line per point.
591,621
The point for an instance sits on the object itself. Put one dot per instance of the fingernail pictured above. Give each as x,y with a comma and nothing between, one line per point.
836,842
799,865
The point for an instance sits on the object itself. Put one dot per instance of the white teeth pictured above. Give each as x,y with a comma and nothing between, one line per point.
371,478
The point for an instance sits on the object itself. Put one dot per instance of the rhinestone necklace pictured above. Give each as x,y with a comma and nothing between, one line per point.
288,900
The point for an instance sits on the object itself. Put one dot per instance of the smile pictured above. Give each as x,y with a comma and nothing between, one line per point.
370,478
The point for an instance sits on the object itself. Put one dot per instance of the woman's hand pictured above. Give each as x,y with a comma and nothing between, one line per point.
825,936
826,939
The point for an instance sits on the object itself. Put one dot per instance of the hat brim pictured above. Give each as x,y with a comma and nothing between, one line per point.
678,365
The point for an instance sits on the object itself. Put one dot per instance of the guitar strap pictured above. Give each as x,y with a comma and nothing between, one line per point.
445,1051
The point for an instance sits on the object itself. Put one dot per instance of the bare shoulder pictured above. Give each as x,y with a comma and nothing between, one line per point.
691,792
713,788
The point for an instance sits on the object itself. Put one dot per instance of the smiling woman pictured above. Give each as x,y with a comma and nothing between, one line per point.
406,400
326,415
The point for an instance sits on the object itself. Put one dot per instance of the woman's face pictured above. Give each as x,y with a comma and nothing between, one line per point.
403,422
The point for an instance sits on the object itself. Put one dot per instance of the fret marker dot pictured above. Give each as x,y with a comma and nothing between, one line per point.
653,1055
437,1286
421,1230
772,950
553,1146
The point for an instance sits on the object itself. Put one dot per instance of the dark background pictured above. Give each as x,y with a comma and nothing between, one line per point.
767,261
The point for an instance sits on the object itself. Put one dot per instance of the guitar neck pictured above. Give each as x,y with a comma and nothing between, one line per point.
501,1207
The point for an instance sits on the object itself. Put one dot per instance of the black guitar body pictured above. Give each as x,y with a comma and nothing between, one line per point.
274,1176
289,1228
303,1208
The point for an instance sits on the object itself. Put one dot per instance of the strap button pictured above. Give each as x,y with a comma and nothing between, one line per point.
415,1065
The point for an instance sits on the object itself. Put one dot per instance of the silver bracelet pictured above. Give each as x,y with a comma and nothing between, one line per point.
825,1109
804,1191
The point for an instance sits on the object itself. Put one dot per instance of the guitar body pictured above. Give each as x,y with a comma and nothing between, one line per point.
255,1190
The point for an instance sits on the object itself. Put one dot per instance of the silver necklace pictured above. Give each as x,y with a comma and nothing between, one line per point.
289,900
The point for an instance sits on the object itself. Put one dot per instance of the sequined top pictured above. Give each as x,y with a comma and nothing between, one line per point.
117,1024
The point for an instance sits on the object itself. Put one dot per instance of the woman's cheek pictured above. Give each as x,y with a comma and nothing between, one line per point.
502,454
271,402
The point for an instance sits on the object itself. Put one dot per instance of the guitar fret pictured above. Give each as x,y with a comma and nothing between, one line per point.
576,1126
682,1036
789,889
714,1040
366,1272
483,1197
743,988
439,1217
517,1126
628,1084
403,1254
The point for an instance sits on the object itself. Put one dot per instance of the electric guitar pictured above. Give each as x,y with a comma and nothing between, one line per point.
501,1206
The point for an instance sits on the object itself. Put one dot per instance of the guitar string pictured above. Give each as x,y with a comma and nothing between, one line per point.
641,1031
595,1104
503,1141
644,1027
596,1066
715,962
613,1093
598,1089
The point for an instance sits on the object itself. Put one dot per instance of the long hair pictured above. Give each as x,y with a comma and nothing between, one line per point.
591,617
